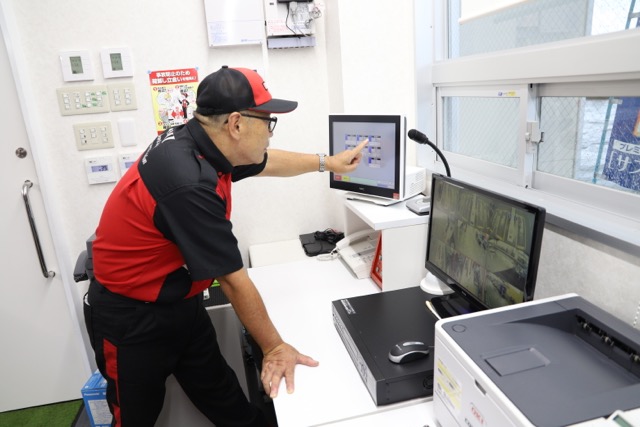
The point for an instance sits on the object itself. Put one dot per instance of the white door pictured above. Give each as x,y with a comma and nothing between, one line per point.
41,360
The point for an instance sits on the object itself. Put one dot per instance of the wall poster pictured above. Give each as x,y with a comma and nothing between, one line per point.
173,95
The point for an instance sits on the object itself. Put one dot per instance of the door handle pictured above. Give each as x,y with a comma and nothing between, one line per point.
34,231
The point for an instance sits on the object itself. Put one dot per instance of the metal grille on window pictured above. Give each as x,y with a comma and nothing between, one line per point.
534,22
482,128
578,141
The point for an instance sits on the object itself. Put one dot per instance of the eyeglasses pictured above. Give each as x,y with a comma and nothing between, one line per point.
273,121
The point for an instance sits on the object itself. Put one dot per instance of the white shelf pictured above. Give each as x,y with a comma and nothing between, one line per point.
404,239
384,217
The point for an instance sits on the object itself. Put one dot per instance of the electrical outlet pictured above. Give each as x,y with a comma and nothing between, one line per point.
93,136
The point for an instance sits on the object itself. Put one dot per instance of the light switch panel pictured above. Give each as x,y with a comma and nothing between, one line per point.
93,136
122,96
74,100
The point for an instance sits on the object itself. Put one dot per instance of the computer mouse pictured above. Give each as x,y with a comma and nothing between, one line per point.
407,351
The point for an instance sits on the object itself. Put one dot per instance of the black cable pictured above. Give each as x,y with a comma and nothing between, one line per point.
286,20
329,235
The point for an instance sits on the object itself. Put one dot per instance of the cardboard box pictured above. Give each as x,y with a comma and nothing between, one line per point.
94,394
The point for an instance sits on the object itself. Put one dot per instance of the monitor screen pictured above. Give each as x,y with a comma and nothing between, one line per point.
381,170
483,245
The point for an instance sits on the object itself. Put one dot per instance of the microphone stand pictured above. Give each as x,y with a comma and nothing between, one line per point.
435,148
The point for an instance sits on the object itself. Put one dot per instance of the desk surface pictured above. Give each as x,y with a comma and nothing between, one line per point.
298,298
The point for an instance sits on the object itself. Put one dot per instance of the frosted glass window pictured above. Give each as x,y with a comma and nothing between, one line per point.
526,23
482,128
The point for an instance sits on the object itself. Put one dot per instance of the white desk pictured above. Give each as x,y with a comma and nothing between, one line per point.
276,253
298,297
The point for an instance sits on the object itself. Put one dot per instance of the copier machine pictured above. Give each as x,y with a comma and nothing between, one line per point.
560,361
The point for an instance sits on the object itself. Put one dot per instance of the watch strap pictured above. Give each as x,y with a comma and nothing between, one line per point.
323,163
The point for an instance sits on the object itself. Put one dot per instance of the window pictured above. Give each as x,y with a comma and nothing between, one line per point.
592,139
569,68
591,148
489,26
485,128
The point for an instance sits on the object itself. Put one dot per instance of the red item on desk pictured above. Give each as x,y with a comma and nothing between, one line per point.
376,265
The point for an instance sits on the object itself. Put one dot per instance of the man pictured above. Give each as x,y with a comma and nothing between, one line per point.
165,235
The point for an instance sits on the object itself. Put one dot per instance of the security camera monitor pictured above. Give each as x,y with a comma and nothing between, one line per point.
485,246
381,171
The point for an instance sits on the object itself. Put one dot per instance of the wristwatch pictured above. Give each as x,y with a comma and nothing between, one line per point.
322,162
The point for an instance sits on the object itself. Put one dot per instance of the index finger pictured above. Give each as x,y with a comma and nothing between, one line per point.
360,146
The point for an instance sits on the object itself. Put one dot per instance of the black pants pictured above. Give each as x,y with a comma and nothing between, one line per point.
138,345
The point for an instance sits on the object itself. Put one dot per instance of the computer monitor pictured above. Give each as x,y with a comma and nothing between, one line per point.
485,246
381,172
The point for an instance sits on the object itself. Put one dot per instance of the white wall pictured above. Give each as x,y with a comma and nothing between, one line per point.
363,62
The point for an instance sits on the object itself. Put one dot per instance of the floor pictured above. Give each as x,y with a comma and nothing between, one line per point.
82,419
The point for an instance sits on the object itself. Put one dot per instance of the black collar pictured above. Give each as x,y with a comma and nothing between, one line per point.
208,148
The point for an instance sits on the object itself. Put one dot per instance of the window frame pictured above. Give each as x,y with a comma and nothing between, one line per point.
518,175
565,68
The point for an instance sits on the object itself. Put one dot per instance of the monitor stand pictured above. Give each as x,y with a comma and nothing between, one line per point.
450,305
444,302
382,201
434,286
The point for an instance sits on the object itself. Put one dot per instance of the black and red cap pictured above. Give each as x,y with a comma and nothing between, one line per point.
236,89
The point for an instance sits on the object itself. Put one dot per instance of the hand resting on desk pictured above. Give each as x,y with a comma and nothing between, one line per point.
279,358
279,362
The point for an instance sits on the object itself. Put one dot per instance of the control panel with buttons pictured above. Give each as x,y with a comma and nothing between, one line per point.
74,100
93,136
122,96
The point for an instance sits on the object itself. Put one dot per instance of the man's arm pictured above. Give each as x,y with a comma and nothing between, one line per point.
287,163
279,358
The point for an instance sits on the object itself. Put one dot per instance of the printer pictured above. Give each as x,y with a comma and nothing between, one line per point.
560,361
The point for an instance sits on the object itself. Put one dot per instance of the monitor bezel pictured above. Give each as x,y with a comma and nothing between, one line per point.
473,303
399,120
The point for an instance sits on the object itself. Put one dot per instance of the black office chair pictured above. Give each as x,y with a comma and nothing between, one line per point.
84,264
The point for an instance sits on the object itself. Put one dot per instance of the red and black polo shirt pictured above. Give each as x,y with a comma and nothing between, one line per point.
165,232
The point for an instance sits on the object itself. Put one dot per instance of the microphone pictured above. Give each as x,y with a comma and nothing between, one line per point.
418,136
421,138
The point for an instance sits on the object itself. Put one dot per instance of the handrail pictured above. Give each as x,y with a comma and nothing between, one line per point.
25,196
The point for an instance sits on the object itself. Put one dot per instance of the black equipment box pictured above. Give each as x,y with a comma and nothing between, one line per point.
370,325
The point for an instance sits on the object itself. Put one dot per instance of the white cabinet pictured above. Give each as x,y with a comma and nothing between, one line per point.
404,237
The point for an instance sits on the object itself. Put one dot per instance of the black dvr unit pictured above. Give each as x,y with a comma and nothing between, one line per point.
369,327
